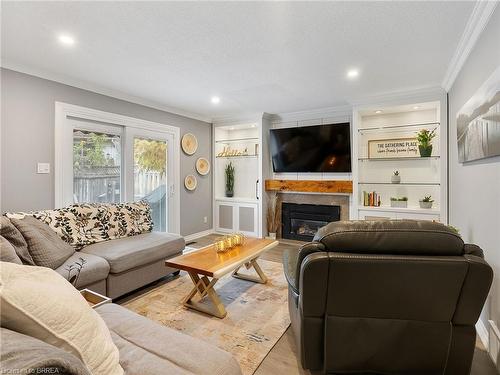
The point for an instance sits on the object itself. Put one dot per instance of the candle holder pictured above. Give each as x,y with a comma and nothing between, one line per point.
229,242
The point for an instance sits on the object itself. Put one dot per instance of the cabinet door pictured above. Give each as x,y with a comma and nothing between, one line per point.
225,218
247,219
376,215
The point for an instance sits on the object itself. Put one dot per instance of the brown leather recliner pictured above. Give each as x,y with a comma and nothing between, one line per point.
386,297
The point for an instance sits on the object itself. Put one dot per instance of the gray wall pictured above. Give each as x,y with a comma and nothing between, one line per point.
27,137
475,186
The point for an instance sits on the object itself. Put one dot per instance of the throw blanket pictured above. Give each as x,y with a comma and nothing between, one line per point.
84,224
21,354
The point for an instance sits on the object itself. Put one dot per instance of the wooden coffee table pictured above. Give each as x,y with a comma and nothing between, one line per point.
205,267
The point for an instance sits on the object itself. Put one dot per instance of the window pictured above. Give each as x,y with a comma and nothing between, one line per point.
96,167
102,157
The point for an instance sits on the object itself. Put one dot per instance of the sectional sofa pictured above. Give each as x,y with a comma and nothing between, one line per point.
112,247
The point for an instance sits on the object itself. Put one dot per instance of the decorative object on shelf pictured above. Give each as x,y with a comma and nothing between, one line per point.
392,148
190,182
228,152
424,138
401,202
229,174
202,166
426,202
229,242
371,199
272,215
477,122
189,143
396,178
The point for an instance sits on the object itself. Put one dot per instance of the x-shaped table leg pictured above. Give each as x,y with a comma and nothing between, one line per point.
205,288
261,278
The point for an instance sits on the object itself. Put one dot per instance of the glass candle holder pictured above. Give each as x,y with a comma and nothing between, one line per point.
220,246
229,242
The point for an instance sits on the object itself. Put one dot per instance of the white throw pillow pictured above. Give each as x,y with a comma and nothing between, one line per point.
39,302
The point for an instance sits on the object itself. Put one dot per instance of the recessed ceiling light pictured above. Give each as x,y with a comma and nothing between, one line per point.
253,126
352,73
378,111
416,107
66,39
215,100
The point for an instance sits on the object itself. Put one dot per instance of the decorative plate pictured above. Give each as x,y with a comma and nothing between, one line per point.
202,166
189,143
190,182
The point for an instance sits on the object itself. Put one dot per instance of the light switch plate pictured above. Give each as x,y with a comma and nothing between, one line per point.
43,168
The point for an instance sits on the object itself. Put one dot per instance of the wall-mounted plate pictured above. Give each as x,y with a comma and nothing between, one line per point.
189,143
190,182
202,166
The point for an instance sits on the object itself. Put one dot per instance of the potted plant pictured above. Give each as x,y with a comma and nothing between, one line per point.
229,173
401,202
424,138
272,216
426,202
396,178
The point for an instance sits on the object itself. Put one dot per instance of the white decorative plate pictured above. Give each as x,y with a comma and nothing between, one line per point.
189,143
190,182
202,166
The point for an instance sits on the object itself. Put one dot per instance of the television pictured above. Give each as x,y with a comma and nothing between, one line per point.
321,148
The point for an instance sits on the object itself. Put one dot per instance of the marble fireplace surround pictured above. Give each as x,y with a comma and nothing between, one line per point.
341,200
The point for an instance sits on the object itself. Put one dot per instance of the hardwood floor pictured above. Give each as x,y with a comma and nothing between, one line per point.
282,359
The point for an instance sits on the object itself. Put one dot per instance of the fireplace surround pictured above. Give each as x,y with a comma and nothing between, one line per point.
302,221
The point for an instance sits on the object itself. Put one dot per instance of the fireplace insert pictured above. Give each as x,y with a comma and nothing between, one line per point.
302,221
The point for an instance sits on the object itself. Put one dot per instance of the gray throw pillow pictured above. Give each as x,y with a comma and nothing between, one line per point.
7,252
16,239
44,245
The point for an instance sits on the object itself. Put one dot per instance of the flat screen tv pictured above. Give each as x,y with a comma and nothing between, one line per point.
322,148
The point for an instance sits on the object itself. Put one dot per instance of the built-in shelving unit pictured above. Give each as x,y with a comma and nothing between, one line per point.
420,176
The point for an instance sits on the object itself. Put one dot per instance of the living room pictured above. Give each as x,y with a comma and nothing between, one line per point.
250,187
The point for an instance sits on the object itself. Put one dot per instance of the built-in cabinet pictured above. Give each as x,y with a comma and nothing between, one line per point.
419,177
243,143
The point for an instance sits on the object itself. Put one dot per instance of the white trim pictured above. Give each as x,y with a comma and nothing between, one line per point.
62,168
98,89
318,113
475,25
194,236
482,332
412,96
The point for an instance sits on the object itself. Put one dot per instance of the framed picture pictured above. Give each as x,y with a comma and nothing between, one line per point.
393,148
478,122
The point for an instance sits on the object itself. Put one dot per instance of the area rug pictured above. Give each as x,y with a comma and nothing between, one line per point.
257,314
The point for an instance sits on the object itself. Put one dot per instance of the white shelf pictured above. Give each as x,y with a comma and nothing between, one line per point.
392,127
412,210
237,199
250,139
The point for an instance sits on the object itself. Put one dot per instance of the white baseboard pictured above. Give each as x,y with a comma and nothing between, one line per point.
483,334
194,236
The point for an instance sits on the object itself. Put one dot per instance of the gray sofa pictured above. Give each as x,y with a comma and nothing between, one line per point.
145,347
117,250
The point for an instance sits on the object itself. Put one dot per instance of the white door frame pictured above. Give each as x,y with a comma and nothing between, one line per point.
63,156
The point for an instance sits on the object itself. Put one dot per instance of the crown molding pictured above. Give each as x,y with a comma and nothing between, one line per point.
313,113
101,90
475,25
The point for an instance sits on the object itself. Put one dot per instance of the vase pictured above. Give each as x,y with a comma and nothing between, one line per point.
399,204
425,204
229,193
425,151
396,179
272,236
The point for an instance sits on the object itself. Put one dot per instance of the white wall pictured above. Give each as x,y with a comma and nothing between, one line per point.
475,186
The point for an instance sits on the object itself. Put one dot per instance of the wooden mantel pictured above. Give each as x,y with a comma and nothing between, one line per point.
310,186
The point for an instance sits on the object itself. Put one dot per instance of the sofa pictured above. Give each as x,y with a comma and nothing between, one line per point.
114,248
386,297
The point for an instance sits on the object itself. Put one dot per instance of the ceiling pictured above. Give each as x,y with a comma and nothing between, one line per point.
273,57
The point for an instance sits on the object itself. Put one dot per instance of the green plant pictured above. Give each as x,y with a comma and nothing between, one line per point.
229,172
425,137
427,198
150,156
396,173
399,199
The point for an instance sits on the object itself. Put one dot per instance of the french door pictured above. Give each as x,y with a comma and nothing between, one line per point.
102,157
148,173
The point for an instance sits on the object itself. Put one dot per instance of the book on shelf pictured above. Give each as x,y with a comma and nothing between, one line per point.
371,198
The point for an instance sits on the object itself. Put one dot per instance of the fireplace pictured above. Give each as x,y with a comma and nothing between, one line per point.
302,221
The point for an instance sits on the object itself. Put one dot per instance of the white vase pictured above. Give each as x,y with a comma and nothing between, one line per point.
395,179
271,236
425,204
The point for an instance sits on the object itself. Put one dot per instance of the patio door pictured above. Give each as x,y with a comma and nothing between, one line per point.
148,156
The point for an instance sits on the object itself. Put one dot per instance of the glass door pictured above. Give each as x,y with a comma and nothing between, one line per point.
150,170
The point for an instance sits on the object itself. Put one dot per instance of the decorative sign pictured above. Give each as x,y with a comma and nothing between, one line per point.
393,148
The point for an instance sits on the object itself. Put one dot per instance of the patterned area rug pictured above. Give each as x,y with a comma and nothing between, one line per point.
257,314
